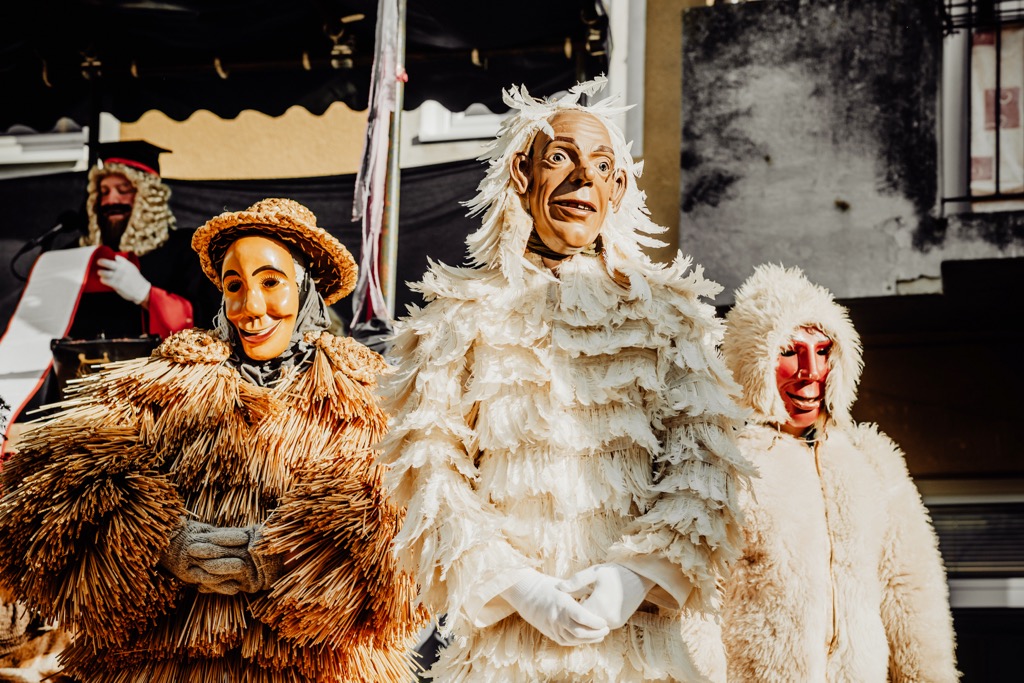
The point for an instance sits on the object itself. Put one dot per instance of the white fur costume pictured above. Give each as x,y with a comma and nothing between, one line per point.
841,579
556,421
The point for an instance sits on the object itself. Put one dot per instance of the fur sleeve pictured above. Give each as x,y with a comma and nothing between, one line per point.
451,538
915,601
693,520
88,511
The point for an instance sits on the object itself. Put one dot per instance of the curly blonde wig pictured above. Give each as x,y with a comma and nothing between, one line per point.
151,220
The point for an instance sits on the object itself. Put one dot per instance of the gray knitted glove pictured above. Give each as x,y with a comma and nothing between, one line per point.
266,568
221,559
215,558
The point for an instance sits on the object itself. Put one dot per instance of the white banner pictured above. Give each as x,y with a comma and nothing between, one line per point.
44,312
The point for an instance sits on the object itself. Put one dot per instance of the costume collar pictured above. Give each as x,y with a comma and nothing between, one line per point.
537,246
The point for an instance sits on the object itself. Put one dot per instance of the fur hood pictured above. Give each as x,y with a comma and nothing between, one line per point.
151,218
770,306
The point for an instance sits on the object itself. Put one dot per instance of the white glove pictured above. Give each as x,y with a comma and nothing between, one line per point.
618,591
123,277
554,612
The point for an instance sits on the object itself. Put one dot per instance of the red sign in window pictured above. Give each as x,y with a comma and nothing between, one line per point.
1009,108
981,168
984,38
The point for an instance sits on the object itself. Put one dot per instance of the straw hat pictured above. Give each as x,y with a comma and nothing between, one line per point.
330,264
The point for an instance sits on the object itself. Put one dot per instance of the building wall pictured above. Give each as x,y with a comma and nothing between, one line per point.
295,145
253,145
662,116
810,138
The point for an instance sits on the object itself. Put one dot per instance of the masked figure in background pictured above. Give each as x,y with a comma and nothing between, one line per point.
563,429
138,281
841,579
213,513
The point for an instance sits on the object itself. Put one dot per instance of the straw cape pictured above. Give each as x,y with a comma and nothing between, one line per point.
95,492
329,262
555,421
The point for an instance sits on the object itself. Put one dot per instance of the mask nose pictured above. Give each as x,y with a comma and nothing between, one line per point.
584,174
254,305
812,366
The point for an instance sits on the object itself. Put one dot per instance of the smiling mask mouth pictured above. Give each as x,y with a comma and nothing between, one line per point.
803,403
267,330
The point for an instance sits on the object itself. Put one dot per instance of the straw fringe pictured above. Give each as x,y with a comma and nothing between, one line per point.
345,590
96,491
87,495
263,658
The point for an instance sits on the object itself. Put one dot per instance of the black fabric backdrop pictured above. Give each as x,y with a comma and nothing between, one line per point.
433,223
230,55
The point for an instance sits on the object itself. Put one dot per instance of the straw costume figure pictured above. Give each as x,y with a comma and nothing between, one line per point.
212,513
841,577
563,429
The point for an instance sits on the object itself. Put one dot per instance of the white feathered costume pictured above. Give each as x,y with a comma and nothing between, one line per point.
557,420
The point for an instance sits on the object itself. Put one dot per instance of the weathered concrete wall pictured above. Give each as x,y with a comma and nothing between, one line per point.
809,138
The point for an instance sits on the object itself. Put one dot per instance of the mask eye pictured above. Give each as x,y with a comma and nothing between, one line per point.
558,157
233,286
786,353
